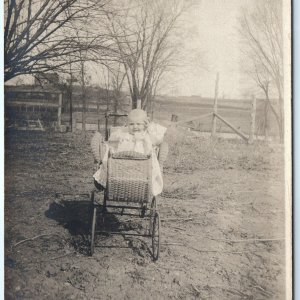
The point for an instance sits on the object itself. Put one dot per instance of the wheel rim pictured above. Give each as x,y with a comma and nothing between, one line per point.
151,214
93,230
156,236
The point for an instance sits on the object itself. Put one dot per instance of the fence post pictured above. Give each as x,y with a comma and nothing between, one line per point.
71,110
106,126
74,121
174,118
253,115
98,117
59,110
215,108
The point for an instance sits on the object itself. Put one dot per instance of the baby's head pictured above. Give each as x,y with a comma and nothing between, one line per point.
137,121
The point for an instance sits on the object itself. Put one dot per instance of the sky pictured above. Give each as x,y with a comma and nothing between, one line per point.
213,25
209,28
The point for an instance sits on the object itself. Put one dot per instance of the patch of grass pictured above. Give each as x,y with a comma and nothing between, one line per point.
181,191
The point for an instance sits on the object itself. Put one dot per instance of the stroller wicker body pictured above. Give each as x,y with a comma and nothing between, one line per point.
128,191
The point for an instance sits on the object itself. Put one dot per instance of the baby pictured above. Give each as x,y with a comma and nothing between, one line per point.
135,138
139,136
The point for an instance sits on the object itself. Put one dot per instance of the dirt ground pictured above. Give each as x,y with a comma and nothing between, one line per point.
222,229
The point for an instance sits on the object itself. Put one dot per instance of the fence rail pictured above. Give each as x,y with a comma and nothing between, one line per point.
248,119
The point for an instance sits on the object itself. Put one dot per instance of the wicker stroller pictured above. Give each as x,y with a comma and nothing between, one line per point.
128,191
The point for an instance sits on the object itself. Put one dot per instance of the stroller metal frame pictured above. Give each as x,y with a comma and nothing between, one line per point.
151,213
113,198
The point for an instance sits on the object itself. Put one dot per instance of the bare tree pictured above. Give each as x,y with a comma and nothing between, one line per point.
263,80
264,83
261,30
117,81
141,32
164,65
34,36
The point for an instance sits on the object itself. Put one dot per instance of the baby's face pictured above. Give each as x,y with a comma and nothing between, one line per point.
136,124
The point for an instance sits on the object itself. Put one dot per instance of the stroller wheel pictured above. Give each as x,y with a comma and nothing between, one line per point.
151,214
93,223
93,227
156,236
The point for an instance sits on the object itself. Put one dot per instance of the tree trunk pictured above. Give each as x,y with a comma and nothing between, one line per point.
281,121
277,117
83,113
280,108
134,101
266,111
135,92
83,91
115,107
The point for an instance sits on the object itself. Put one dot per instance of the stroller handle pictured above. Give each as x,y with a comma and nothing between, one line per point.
107,115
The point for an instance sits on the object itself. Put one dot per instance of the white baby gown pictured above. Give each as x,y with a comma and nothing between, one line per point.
126,142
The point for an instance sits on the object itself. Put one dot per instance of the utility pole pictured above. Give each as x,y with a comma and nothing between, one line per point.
215,108
71,104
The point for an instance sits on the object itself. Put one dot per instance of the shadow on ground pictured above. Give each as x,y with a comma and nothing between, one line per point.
76,217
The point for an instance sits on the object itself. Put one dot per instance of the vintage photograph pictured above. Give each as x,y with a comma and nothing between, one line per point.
147,149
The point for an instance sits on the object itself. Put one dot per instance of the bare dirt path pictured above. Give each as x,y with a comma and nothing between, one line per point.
222,225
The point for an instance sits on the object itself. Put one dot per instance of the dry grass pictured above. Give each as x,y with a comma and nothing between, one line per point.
197,155
178,190
189,153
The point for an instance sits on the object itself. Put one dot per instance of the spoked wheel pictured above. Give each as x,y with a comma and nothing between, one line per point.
93,220
93,227
151,214
156,236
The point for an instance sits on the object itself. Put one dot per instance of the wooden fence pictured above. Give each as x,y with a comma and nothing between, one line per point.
216,116
247,118
33,108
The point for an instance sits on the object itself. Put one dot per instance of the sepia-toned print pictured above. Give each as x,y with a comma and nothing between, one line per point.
147,149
